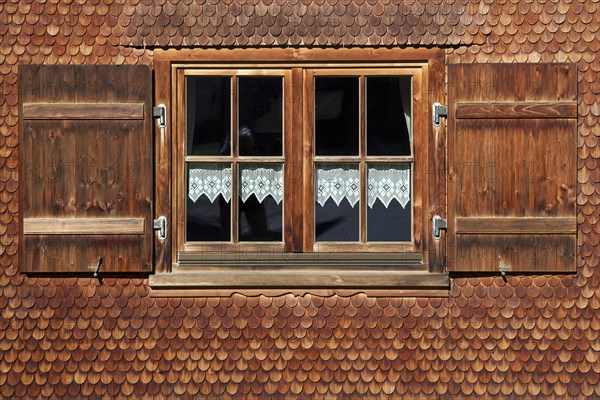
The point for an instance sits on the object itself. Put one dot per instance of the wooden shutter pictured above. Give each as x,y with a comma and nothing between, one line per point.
86,168
512,151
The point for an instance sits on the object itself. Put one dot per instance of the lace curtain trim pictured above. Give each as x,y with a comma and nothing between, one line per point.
262,182
385,183
388,183
216,180
337,183
210,182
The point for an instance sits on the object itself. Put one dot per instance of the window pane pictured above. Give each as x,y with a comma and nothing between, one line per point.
388,116
336,116
208,115
260,116
261,206
389,211
337,188
208,202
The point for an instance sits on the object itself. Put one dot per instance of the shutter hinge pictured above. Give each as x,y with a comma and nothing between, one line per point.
439,111
438,224
160,112
160,225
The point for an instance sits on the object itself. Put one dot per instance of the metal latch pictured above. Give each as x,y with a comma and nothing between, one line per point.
439,111
438,224
160,112
160,225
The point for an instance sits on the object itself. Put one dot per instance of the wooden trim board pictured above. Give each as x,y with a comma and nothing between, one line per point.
522,225
84,226
91,111
567,109
295,278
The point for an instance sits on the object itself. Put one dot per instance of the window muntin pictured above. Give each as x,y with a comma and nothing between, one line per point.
365,237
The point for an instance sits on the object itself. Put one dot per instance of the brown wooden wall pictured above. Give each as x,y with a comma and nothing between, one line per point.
532,336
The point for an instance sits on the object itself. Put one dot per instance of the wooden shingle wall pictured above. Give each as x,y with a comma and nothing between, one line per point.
532,336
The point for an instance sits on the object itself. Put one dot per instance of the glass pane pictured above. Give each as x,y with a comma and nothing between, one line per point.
336,116
337,191
261,206
388,116
388,197
208,212
208,115
260,116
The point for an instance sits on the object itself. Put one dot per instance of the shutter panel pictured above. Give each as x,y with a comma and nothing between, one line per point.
86,168
512,151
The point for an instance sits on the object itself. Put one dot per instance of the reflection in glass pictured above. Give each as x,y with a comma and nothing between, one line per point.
208,115
261,206
337,192
260,108
388,197
388,115
336,116
208,211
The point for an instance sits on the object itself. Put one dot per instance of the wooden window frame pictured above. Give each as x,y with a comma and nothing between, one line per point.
363,159
291,270
182,160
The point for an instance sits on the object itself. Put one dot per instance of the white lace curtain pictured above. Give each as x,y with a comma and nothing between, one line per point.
262,182
385,182
212,180
337,183
388,183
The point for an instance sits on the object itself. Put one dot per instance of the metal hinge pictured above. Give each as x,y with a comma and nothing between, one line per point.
438,224
160,112
439,111
160,225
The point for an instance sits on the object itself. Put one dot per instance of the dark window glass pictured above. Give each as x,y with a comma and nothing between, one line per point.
261,202
208,115
260,107
337,188
260,221
388,115
389,203
389,224
336,223
336,116
208,211
208,221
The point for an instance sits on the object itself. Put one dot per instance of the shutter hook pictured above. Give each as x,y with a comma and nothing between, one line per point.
503,268
97,271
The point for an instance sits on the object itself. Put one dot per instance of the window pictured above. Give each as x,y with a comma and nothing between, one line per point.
357,185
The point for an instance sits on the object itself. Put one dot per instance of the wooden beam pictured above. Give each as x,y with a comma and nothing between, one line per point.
304,258
516,225
91,111
295,278
296,55
84,226
162,165
567,109
253,292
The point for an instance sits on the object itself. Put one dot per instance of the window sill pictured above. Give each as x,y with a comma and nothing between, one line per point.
226,281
